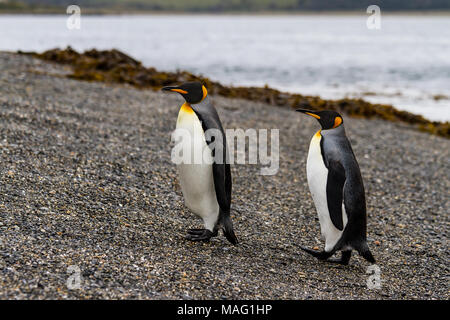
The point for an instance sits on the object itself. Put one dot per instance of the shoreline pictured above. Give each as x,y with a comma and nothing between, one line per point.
113,66
95,12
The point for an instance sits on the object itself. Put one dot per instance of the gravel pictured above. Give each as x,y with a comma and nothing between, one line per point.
87,183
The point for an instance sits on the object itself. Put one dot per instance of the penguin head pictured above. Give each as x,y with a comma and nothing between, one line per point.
192,92
328,119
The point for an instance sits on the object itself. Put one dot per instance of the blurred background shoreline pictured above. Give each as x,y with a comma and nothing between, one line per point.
406,63
125,12
320,48
223,6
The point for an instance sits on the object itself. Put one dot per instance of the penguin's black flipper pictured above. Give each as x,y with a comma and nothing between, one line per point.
364,251
227,227
222,185
335,187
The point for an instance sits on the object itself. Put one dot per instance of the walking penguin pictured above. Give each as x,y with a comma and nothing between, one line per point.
206,184
337,189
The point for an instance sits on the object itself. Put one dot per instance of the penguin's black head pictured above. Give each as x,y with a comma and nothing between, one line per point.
192,92
327,119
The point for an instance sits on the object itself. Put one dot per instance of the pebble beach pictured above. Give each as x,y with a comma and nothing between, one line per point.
87,183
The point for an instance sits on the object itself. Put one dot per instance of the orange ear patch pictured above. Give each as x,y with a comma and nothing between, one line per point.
205,92
337,122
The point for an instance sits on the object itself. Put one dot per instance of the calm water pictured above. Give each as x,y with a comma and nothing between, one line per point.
406,63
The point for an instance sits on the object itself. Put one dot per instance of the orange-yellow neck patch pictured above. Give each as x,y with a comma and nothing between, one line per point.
337,122
318,135
186,107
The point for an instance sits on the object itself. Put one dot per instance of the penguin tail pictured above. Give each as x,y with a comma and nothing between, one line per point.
227,227
364,251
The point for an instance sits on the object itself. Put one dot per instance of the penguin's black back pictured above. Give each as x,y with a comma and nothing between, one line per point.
344,185
209,118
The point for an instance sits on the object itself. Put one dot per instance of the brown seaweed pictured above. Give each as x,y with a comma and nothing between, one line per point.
113,66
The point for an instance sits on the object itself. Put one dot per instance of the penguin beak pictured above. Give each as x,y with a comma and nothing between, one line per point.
174,89
309,113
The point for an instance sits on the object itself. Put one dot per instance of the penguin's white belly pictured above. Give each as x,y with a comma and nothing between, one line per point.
196,179
317,174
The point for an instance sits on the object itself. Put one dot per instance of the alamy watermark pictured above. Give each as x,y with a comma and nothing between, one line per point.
190,148
374,280
74,20
374,20
74,280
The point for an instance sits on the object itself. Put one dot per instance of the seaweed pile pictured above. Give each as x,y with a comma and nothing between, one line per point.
113,66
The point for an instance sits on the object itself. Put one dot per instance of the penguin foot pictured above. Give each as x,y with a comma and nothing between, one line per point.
324,256
196,231
344,260
200,234
321,255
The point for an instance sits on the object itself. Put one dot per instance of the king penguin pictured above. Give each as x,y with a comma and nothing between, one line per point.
206,186
337,189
